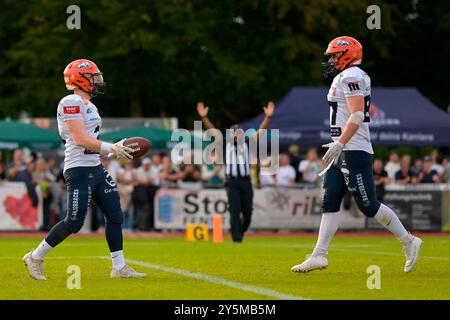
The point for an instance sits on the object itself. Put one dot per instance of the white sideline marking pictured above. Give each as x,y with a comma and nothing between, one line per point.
311,245
389,254
54,258
200,276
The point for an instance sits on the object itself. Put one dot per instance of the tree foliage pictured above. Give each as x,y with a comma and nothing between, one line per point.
161,56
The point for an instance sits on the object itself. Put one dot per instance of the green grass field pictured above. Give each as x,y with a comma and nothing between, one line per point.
257,269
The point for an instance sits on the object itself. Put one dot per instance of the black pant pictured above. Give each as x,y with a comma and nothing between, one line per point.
353,172
240,199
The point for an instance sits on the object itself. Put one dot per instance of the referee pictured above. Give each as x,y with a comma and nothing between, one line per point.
237,161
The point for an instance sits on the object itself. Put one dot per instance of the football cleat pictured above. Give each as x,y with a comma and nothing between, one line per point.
127,272
311,263
34,266
412,249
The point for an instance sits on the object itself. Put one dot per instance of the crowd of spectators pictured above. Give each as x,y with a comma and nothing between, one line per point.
138,181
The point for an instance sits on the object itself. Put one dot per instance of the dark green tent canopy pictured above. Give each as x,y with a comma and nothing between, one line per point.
15,135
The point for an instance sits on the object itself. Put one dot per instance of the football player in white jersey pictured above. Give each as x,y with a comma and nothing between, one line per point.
349,157
79,124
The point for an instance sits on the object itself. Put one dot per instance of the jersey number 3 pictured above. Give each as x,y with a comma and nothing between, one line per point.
334,107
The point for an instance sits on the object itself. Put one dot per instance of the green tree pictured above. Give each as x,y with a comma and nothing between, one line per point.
161,56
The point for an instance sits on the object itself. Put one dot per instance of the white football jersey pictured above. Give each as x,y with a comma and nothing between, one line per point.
350,82
74,107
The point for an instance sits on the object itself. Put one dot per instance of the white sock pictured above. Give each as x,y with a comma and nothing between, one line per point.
41,251
118,259
328,227
390,221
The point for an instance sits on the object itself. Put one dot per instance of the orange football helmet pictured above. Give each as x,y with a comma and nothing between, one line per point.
85,75
342,52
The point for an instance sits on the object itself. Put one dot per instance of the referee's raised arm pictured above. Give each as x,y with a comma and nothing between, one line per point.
268,111
203,113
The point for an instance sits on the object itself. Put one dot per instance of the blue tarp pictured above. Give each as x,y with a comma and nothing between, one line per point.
399,116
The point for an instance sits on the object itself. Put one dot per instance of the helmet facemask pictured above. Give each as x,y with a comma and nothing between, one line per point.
96,82
331,68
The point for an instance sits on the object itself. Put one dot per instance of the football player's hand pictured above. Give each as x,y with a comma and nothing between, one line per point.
334,151
269,109
202,110
121,151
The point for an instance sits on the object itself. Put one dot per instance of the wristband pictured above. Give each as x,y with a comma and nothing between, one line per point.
105,147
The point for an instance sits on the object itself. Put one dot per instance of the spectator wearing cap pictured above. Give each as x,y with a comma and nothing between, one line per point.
405,175
428,175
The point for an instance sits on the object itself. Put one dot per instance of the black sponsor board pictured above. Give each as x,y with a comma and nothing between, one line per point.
417,210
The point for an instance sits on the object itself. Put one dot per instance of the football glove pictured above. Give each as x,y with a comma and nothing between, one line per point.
332,155
120,150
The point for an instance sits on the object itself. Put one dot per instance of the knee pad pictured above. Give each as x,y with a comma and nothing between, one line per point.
330,205
74,225
115,217
369,208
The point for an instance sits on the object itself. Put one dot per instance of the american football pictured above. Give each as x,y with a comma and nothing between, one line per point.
140,146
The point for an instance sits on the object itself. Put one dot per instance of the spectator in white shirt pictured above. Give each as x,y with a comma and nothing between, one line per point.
266,176
143,172
393,165
310,167
285,175
126,179
437,159
155,169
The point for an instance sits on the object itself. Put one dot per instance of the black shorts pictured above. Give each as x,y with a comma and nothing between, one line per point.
85,184
354,173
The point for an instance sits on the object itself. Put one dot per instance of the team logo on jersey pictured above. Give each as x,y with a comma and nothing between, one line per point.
71,109
89,110
109,180
342,43
86,65
353,86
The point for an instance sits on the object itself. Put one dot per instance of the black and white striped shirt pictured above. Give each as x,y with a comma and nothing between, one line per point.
237,160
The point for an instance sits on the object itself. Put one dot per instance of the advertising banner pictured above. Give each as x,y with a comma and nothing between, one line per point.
417,209
16,208
273,208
